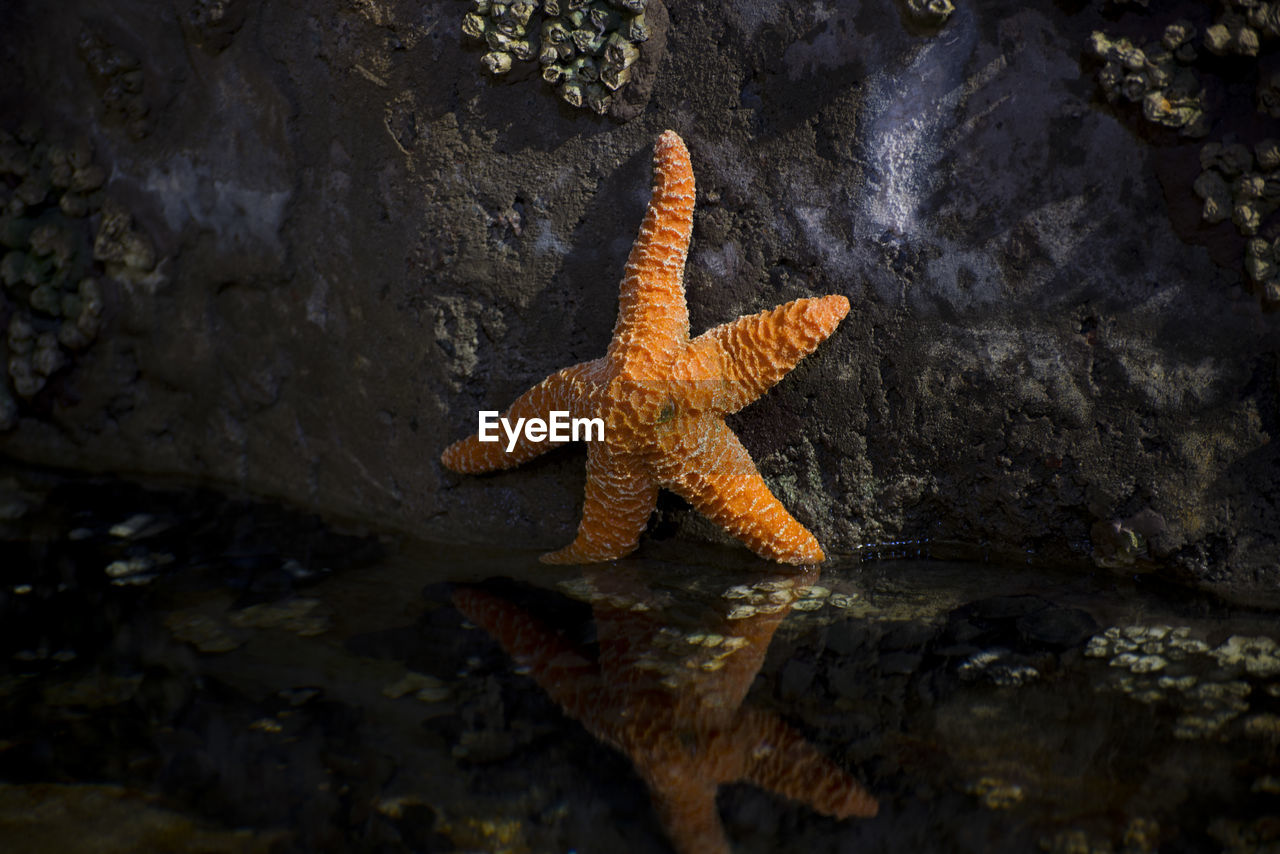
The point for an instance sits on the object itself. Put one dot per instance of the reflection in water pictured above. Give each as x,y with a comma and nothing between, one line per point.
229,675
672,700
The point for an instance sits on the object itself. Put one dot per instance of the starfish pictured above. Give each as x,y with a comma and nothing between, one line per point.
678,717
663,396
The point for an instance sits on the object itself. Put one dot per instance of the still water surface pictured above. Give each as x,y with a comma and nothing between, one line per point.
184,671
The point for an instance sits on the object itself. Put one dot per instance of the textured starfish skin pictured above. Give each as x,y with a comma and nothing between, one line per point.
684,742
663,397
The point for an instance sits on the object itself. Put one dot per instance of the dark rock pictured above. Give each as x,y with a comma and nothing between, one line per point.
364,240
1057,627
899,663
848,638
797,676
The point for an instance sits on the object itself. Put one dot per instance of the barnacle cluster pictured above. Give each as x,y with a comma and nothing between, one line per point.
1157,76
52,260
772,595
1235,183
214,633
127,253
1241,26
996,793
587,48
1257,656
998,666
1244,186
1141,836
1158,664
678,657
51,296
422,686
303,617
119,79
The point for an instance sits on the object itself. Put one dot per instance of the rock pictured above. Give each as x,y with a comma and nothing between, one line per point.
375,238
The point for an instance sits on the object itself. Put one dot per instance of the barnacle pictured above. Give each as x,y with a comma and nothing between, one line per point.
1205,701
1262,264
1244,186
586,48
118,77
117,243
933,13
1242,26
212,24
51,260
1268,93
1255,655
1155,76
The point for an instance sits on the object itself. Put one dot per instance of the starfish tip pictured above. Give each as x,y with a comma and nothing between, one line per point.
667,139
834,307
807,551
456,459
807,556
671,155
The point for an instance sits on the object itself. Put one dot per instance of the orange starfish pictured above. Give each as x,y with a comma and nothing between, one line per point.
679,719
663,397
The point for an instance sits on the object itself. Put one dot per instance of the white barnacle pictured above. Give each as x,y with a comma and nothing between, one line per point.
1149,664
1256,654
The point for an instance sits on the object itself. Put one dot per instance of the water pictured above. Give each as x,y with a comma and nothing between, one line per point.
185,671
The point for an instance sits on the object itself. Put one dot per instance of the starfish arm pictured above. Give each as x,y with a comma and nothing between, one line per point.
569,678
782,761
620,496
653,318
564,391
745,358
711,470
688,815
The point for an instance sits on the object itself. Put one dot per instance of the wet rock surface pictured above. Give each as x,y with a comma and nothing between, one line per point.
982,710
367,237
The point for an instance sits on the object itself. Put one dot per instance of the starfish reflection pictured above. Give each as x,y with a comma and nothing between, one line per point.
671,699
